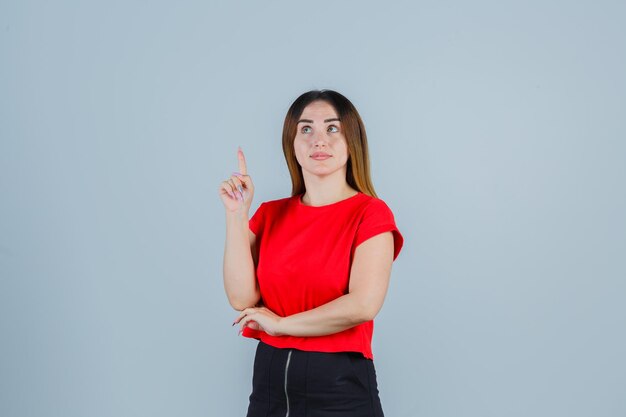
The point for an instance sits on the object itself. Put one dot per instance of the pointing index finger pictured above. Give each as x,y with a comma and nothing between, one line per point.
243,170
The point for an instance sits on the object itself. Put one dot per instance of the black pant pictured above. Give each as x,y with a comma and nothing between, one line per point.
295,383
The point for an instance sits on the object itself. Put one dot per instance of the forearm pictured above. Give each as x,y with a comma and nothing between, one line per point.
239,271
335,316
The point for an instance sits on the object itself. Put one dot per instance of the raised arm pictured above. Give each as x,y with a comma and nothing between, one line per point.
239,250
369,280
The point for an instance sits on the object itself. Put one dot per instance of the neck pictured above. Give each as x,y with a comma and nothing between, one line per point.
321,191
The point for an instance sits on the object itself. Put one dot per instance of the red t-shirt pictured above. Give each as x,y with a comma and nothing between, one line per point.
305,256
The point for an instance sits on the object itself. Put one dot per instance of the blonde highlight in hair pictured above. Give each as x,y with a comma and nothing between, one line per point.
358,165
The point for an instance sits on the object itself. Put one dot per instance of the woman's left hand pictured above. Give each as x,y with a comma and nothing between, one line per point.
259,318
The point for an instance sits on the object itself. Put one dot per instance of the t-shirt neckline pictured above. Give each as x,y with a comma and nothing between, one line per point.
299,202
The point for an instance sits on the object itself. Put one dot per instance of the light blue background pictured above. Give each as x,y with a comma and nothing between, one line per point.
497,131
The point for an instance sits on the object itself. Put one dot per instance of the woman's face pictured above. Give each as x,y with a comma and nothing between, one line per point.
320,146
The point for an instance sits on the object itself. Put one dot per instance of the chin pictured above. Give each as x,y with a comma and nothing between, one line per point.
322,172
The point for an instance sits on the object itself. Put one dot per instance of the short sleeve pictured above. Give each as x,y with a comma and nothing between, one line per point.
257,221
378,218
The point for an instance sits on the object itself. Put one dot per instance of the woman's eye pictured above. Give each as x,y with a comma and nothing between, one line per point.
306,129
333,128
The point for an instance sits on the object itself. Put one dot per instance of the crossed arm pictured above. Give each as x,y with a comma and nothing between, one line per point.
369,280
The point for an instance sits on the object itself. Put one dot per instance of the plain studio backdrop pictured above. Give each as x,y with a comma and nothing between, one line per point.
497,135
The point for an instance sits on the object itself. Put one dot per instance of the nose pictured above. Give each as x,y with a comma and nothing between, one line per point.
320,140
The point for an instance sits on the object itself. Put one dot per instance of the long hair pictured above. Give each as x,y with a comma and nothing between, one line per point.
358,165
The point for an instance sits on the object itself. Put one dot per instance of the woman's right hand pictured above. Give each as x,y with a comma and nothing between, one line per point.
237,191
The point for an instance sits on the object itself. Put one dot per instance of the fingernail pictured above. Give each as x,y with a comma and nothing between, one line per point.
240,188
234,322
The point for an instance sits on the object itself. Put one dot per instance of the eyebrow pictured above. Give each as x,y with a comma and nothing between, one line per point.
325,121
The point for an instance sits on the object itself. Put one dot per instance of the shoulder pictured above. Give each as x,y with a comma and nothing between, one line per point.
271,207
266,211
376,217
374,206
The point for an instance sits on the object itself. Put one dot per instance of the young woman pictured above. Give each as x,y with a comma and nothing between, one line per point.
310,272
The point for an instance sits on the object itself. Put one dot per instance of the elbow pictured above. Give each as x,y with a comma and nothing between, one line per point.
241,303
238,306
365,311
240,296
368,315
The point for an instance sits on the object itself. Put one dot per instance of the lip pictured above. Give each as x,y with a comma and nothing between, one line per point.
320,156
